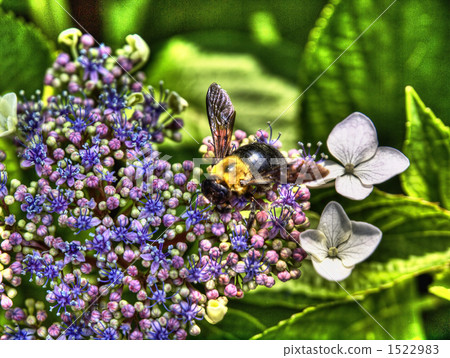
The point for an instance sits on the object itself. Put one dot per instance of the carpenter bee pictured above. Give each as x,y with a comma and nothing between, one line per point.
250,169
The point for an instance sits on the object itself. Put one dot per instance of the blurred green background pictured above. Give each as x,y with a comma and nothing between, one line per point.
267,55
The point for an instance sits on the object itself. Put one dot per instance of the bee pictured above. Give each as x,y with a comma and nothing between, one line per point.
250,169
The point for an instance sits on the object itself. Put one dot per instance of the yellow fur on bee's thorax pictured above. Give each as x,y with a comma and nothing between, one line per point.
233,178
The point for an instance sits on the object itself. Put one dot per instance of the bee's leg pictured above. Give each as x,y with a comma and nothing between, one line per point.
252,216
262,181
223,208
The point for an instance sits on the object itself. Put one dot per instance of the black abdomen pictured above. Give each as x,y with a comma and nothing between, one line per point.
261,157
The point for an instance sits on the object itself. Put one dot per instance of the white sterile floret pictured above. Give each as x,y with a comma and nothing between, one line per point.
354,143
139,48
70,36
216,310
8,114
339,244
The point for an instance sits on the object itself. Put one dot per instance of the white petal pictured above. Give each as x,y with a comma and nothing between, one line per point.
363,241
314,243
332,269
354,140
351,187
335,224
334,169
386,163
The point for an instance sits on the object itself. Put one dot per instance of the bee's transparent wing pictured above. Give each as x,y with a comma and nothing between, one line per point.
221,115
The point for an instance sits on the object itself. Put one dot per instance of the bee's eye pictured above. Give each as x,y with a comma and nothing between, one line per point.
230,168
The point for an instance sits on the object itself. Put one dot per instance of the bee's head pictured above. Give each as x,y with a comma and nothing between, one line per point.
215,191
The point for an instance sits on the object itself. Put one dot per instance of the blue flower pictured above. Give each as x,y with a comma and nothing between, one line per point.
69,173
85,221
80,117
108,334
160,297
253,266
33,264
30,114
113,101
72,251
24,334
59,203
289,196
152,207
3,181
33,205
193,216
112,275
188,311
62,296
158,257
143,233
239,240
122,232
36,154
158,332
89,156
92,65
197,270
279,222
100,243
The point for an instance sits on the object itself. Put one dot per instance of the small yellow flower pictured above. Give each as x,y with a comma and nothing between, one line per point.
139,48
216,311
8,114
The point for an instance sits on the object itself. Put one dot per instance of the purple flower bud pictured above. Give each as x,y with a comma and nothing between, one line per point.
224,280
42,230
272,257
87,40
95,316
192,186
114,144
15,238
102,130
136,336
54,330
212,294
115,296
230,290
86,268
134,286
261,279
92,181
205,245
111,257
47,220
128,310
110,190
145,313
6,246
257,241
239,134
132,271
284,276
108,162
218,229
145,324
181,334
177,262
141,295
179,179
163,274
129,255
270,281
5,302
169,220
299,218
16,267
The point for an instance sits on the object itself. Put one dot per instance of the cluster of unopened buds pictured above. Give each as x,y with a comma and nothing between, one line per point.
122,243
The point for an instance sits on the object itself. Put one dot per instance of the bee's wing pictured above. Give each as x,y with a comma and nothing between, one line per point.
221,116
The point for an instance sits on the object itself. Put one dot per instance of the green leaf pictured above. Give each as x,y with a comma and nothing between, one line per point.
237,324
25,55
441,285
397,311
427,146
189,65
415,241
49,16
406,45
